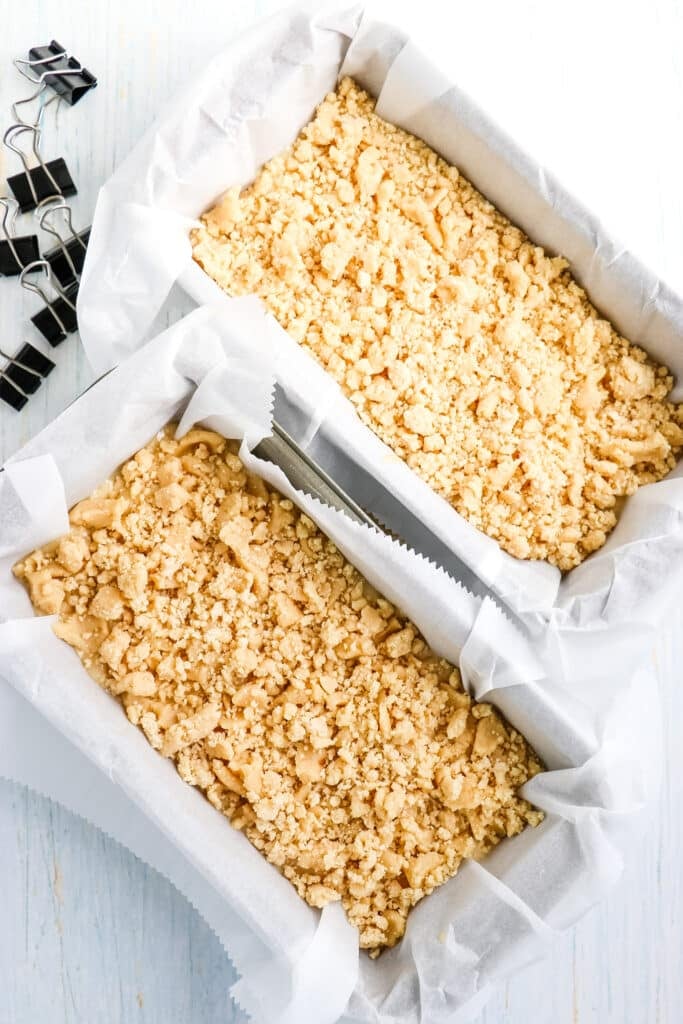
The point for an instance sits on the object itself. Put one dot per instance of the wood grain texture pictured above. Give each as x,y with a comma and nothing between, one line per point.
94,936
595,91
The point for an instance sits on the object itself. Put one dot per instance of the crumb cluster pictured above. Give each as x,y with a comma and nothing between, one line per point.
468,350
306,707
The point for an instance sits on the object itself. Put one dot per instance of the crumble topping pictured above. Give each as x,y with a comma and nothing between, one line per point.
474,355
305,706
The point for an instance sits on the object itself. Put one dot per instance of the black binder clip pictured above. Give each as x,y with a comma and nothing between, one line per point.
16,252
22,375
66,259
46,179
58,318
51,66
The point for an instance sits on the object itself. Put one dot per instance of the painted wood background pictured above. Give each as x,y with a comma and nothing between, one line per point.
596,91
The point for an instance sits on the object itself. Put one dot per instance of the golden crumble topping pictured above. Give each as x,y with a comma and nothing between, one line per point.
468,350
305,706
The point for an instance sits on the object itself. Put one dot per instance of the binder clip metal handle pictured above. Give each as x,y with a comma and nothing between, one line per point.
25,66
66,259
16,252
44,102
58,317
46,179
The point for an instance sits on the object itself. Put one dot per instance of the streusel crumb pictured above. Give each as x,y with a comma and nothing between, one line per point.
468,350
305,706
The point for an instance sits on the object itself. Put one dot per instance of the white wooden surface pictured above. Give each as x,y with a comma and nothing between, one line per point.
596,91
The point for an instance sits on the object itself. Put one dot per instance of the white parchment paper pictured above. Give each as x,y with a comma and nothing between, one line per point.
248,104
299,965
